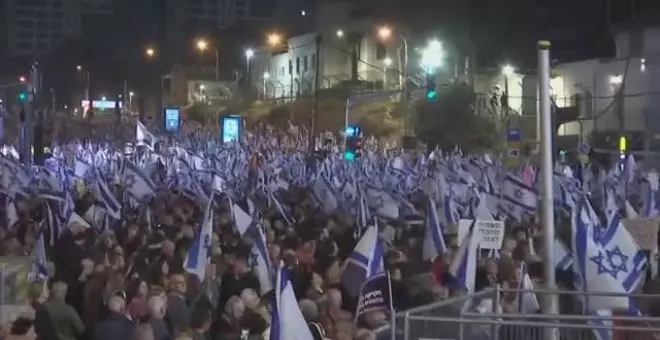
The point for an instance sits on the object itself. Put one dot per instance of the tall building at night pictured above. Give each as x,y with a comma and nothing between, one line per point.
33,27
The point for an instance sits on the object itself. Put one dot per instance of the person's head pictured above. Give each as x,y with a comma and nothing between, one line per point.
143,331
137,288
274,252
365,334
333,298
240,266
58,291
168,247
157,306
178,284
200,319
250,298
117,304
309,310
235,307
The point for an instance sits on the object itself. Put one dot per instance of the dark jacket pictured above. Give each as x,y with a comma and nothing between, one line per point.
232,285
64,318
159,326
43,325
114,326
178,313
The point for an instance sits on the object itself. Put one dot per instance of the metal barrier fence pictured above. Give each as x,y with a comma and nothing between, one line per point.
483,316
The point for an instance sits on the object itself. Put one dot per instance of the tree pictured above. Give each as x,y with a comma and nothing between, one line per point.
451,121
200,112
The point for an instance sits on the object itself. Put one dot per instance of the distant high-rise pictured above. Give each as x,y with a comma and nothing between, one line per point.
35,27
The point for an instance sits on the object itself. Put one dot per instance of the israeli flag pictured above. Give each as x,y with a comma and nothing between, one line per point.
526,302
287,321
144,137
563,259
626,259
107,198
197,257
136,182
463,266
264,268
596,268
365,261
434,241
521,196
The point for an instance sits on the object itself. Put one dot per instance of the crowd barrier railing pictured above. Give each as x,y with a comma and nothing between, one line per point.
492,315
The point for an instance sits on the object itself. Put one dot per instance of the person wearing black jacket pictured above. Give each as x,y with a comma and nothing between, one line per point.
238,278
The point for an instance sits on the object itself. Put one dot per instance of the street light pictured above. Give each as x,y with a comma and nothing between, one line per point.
202,87
249,53
508,70
79,67
616,80
340,33
432,56
202,46
22,79
130,102
384,32
103,98
150,52
274,39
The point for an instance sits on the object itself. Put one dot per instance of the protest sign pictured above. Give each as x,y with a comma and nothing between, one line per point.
489,233
374,295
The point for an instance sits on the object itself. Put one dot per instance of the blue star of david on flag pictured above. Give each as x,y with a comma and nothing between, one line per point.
518,194
617,260
602,264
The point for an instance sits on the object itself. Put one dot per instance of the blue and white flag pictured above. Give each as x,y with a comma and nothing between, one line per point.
197,257
365,261
144,137
262,259
598,269
463,266
287,321
434,241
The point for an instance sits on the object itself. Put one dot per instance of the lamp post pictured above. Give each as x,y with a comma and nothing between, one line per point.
87,94
131,94
385,33
265,78
203,45
386,65
249,53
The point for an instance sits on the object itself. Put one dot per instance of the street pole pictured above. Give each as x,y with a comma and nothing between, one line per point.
547,209
292,69
217,65
404,86
317,86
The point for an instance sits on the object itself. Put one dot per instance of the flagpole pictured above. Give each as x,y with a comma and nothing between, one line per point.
392,314
547,208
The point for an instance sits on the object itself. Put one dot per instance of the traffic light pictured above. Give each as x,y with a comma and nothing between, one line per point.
431,91
353,147
22,96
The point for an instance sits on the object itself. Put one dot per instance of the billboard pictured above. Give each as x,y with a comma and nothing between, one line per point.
172,119
230,128
100,104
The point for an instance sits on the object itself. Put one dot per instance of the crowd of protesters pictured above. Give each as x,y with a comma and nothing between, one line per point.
129,282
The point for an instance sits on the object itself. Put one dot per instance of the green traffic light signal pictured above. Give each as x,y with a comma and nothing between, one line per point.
22,96
349,155
432,94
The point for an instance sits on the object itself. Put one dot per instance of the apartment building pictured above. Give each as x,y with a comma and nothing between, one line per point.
37,26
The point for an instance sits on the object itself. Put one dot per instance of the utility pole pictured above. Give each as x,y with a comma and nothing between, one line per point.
547,208
317,86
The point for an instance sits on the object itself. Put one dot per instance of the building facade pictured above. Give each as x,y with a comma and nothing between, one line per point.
35,27
289,71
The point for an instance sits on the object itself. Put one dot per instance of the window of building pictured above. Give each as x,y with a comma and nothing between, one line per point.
381,51
305,64
290,66
297,64
25,23
313,61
